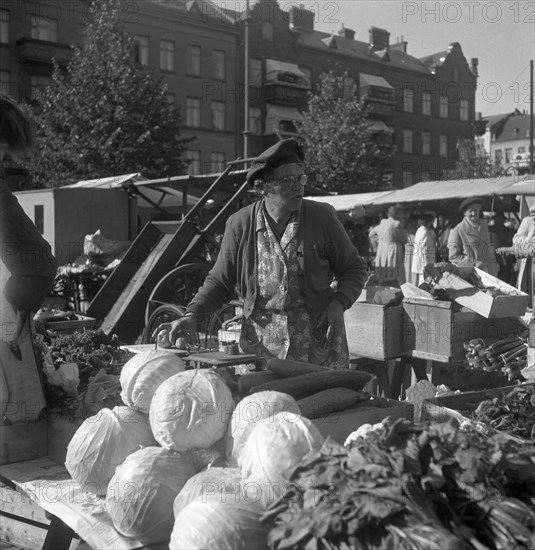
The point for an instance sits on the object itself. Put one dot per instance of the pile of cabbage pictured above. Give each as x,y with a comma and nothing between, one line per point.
182,463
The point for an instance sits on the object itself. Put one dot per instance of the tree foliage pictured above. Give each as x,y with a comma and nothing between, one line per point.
473,163
341,154
105,115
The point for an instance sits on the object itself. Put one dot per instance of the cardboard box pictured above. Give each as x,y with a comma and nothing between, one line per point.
512,304
457,406
436,330
374,331
341,424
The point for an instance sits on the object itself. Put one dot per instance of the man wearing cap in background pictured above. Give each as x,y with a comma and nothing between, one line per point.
469,241
282,255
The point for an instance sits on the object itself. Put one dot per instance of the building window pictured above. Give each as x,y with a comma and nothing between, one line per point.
43,28
193,60
267,31
426,143
218,115
464,112
194,162
4,27
39,217
141,50
508,154
255,121
443,145
407,141
408,100
426,103
308,74
426,175
218,64
218,162
407,178
443,107
521,150
167,56
498,156
37,85
5,83
193,112
455,74
349,88
255,72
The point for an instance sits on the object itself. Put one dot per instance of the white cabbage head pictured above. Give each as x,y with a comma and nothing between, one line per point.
217,522
275,447
140,495
250,410
191,410
143,373
208,483
103,442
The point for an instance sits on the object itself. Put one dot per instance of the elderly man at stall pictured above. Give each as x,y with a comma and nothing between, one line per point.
469,241
290,261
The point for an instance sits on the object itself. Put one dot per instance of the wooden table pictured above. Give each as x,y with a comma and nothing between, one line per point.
221,359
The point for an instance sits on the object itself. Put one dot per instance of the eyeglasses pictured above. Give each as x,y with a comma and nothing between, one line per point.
295,182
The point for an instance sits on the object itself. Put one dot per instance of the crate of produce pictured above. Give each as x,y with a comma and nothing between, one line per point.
374,331
437,329
341,424
77,323
462,406
491,299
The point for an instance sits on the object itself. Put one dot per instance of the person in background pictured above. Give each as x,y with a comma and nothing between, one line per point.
469,241
501,236
410,228
523,243
282,255
391,238
425,247
27,272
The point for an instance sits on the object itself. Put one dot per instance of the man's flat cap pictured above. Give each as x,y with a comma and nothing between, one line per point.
286,151
468,202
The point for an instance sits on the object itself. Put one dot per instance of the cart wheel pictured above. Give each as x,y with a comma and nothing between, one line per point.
162,314
178,287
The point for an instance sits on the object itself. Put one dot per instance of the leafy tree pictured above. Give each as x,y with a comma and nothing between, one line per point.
473,163
342,156
105,115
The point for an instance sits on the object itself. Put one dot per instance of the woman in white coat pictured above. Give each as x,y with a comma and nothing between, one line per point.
425,247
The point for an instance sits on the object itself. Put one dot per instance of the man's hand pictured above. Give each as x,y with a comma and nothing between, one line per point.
180,332
334,317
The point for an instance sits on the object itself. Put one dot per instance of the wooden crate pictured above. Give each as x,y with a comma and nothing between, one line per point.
513,304
341,424
446,407
71,326
23,441
374,331
437,329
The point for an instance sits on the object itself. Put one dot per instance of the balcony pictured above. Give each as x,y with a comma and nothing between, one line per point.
41,51
379,108
284,93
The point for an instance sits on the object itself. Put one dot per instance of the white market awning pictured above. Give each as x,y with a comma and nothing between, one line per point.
373,80
347,203
287,72
277,114
112,182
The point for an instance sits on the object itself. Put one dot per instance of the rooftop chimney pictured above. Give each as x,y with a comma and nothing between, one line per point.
473,65
379,39
346,33
300,18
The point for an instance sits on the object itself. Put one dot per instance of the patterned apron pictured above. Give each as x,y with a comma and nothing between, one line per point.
280,325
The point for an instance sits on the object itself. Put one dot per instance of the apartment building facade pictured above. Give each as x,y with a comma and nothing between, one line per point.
198,49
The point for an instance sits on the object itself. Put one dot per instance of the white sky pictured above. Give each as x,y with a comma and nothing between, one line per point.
501,34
